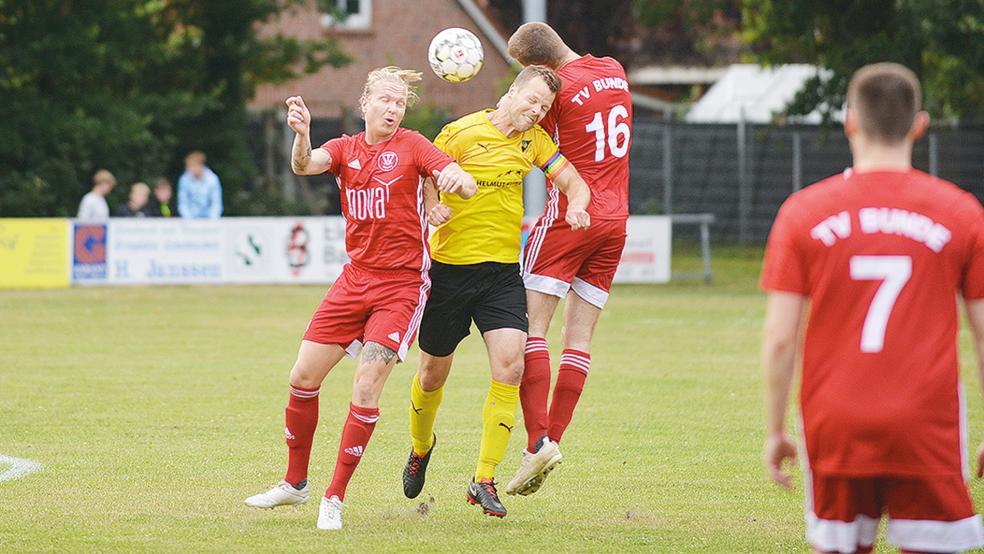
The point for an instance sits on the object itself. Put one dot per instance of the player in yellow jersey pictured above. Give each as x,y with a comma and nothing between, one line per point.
475,273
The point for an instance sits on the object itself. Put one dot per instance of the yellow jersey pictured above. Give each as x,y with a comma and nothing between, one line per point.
487,227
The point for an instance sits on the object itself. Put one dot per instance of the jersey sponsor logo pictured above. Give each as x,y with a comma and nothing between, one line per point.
354,164
387,161
369,203
355,451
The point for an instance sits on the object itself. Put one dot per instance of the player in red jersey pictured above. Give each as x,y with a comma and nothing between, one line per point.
591,119
880,253
378,300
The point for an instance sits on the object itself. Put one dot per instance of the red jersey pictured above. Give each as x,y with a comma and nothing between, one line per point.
591,120
382,201
881,257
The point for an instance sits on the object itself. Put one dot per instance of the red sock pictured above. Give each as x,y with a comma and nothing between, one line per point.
574,366
534,390
300,422
355,437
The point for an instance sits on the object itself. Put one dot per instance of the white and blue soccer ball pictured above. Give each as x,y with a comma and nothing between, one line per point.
455,54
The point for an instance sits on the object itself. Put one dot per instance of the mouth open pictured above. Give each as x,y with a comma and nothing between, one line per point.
389,120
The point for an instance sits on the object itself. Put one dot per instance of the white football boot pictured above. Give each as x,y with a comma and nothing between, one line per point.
534,468
330,514
283,494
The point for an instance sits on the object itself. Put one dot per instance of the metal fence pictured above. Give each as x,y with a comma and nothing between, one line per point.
742,173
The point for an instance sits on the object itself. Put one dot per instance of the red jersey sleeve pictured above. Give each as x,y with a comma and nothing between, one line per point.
427,157
549,121
335,149
972,284
784,268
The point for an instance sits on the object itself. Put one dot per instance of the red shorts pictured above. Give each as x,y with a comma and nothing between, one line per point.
925,514
365,305
558,258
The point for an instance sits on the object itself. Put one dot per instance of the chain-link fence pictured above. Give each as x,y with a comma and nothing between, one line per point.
742,173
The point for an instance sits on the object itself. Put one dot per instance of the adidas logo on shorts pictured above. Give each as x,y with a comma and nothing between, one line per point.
355,451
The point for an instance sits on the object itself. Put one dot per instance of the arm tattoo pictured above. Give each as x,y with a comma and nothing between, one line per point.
298,163
373,351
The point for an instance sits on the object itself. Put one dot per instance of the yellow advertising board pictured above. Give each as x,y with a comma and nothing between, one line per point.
34,253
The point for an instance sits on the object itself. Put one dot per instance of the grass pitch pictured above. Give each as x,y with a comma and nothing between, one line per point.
156,411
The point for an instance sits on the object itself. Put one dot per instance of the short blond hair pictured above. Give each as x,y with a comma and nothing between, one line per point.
103,177
885,97
531,72
537,43
391,73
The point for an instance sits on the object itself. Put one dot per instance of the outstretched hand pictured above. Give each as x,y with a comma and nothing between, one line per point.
298,116
778,449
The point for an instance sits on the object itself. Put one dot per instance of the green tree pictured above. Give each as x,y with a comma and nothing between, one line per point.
938,39
132,86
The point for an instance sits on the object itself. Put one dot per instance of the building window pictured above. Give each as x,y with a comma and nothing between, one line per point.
352,14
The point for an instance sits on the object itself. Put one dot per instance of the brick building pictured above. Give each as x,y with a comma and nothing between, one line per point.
389,32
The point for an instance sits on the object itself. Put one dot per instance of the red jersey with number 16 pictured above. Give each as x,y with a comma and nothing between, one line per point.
882,257
385,224
591,120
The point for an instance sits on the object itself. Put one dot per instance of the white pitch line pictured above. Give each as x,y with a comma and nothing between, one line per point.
19,467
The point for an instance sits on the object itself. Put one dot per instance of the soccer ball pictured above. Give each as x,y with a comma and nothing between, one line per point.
455,55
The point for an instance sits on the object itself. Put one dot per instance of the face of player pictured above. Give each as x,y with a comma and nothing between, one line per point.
384,109
529,103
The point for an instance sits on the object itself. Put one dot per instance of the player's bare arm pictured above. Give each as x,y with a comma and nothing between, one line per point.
437,213
578,197
779,343
304,160
975,315
455,180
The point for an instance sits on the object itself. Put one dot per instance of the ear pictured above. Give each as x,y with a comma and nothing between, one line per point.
920,124
850,123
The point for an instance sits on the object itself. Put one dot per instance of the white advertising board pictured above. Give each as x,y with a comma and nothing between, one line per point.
280,250
158,251
646,258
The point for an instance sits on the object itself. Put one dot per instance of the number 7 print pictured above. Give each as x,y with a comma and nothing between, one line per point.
894,273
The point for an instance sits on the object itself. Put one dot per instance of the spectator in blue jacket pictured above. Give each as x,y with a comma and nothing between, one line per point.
199,189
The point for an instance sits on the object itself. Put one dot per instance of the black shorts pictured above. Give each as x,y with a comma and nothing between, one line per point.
490,293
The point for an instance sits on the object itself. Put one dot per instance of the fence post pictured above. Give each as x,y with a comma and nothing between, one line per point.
744,195
667,169
934,154
797,161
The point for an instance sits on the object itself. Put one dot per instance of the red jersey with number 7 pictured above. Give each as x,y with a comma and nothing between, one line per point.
882,257
591,121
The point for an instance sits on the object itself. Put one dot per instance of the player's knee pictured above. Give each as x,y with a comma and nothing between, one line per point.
367,387
510,371
304,376
431,379
576,337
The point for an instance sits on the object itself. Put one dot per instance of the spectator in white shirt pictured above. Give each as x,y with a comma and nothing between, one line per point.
93,206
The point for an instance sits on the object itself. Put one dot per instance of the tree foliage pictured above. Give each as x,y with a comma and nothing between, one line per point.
938,39
132,86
